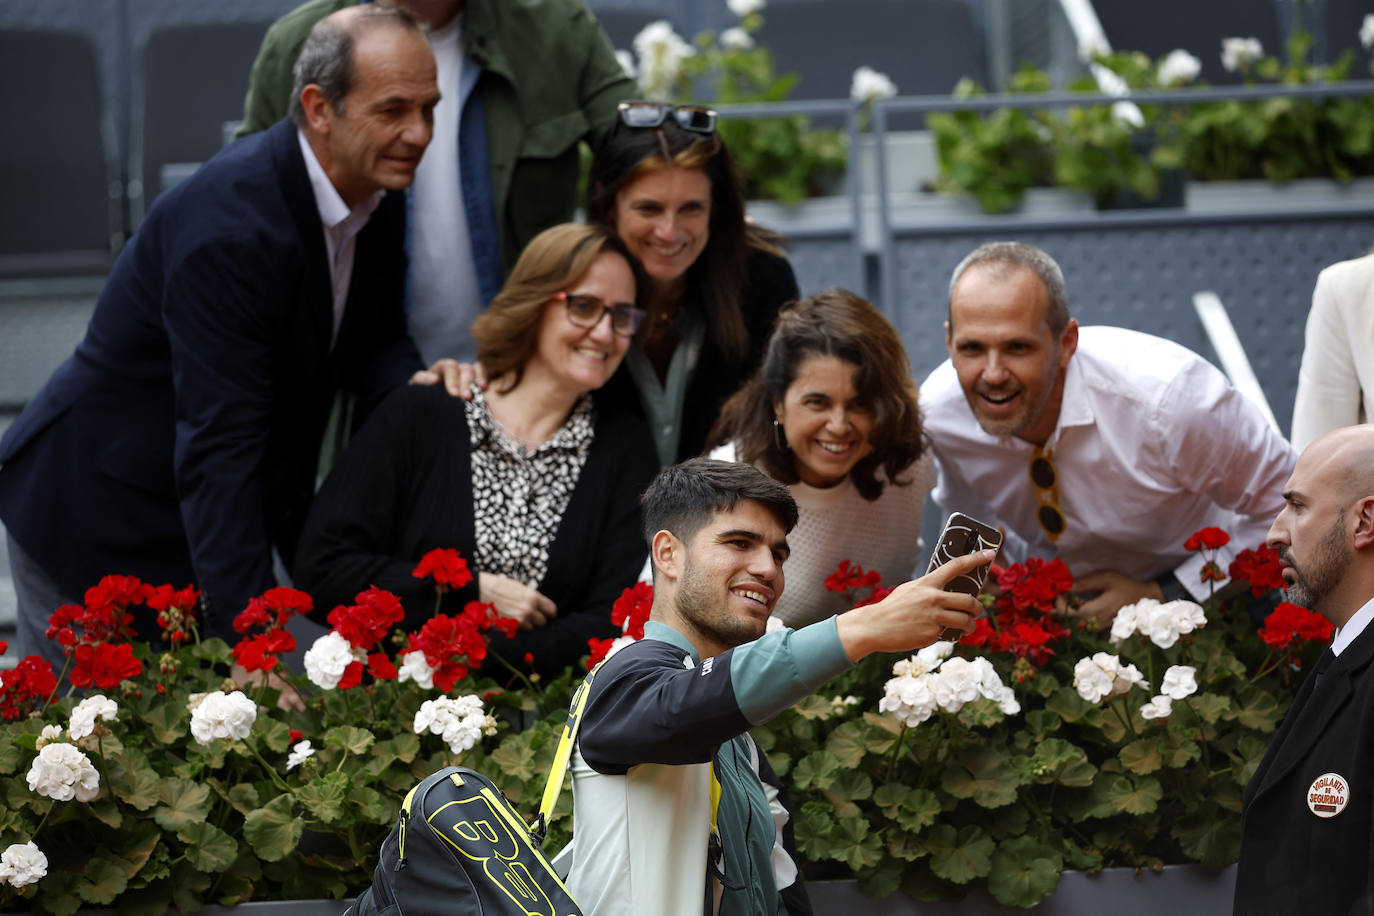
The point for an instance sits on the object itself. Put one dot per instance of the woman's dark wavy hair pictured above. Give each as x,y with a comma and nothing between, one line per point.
720,273
840,324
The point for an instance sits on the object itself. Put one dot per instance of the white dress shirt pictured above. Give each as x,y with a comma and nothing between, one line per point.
1353,628
1152,444
341,225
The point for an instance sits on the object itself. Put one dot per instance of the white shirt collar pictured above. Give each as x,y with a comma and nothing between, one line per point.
1353,627
333,210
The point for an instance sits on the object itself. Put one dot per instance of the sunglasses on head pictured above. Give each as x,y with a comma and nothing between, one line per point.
1046,479
586,312
636,113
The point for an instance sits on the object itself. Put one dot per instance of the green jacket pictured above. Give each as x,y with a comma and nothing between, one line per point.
550,79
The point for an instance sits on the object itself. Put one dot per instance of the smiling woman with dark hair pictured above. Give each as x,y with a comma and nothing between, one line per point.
531,480
664,181
832,413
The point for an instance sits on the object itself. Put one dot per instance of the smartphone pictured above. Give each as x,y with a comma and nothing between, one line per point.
962,535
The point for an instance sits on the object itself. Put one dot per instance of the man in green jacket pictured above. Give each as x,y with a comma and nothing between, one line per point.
522,83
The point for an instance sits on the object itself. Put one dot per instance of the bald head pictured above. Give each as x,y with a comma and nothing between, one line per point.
328,60
1325,532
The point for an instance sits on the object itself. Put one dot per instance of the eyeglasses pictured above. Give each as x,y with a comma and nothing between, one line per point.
587,311
695,118
1046,479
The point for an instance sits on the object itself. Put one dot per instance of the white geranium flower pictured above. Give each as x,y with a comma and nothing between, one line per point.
736,39
772,625
1367,31
956,683
86,713
328,658
627,63
1127,619
868,85
1179,681
415,668
1007,702
460,721
1240,53
931,656
49,734
1128,676
661,52
222,715
300,752
61,772
742,8
1188,615
909,699
1178,67
1092,681
22,864
1157,708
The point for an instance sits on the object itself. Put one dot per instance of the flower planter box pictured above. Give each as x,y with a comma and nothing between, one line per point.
1189,889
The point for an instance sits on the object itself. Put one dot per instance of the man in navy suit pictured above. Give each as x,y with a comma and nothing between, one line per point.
179,442
1308,834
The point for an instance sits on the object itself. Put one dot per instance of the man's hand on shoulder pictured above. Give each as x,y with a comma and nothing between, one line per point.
458,378
1114,591
915,613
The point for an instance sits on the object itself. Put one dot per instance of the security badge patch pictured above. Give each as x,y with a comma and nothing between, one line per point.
1328,795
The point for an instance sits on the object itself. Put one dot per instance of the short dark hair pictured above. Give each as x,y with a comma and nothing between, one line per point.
327,59
1005,258
683,497
834,323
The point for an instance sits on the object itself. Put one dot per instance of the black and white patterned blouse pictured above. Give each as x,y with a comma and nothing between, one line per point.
519,497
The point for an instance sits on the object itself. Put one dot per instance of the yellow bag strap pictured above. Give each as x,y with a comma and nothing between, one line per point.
554,787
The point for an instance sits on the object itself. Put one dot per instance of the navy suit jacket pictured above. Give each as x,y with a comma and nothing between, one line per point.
179,442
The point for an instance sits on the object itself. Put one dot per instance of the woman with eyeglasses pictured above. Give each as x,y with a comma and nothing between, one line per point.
532,480
832,413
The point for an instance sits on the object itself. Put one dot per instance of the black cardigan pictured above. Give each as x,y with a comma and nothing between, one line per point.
404,487
771,284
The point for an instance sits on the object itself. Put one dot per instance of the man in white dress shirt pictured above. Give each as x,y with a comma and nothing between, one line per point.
1102,446
1308,833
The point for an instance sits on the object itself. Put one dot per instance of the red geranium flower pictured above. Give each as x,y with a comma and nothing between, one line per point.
381,667
1288,621
631,609
599,647
1207,539
1034,584
366,623
1260,567
32,679
452,643
446,567
851,576
295,735
104,665
261,652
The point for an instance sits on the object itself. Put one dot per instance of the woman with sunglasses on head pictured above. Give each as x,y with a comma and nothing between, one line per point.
832,413
663,180
534,482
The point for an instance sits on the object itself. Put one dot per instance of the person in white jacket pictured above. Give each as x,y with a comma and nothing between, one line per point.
1336,379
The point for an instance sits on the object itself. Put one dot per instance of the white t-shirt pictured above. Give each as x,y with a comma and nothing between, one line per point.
444,295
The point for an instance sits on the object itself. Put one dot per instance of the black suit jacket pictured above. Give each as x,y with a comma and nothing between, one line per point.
179,442
1291,860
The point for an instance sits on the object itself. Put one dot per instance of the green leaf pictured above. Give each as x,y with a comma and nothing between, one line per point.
1140,797
133,780
403,746
1142,756
208,848
813,706
1209,838
354,740
272,830
959,856
854,740
885,722
914,809
104,809
982,774
325,797
1024,871
1042,722
102,878
276,735
1259,709
9,754
370,805
188,888
183,802
815,770
1179,750
244,797
1209,707
859,847
1072,708
138,845
168,723
814,829
515,757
